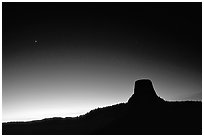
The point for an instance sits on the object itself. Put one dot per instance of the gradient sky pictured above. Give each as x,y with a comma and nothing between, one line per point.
89,55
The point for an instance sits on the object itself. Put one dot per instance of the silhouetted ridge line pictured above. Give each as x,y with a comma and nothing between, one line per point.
144,114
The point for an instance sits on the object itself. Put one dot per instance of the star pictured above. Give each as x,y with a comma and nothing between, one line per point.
36,43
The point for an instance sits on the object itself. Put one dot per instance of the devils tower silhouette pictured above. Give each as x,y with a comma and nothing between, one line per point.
145,113
144,93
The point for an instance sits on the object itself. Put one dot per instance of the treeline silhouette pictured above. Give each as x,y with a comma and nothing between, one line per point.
144,114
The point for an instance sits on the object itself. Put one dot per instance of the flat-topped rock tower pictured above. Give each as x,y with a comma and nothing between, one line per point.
144,92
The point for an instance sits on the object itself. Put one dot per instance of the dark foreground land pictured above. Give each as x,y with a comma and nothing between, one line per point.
144,114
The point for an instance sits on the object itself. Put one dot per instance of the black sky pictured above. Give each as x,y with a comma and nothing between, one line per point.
88,55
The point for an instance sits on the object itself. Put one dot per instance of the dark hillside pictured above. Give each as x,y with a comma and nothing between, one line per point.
145,113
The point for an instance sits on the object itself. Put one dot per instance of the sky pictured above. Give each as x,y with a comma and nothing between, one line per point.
88,55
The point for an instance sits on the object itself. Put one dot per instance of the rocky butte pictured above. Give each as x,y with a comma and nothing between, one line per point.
144,93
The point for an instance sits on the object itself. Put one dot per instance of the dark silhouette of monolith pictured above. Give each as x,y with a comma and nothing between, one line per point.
144,93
